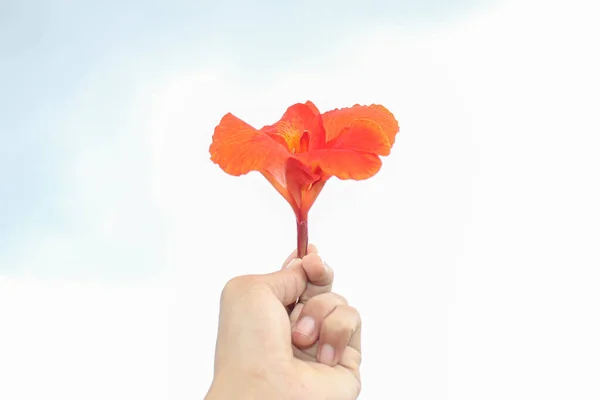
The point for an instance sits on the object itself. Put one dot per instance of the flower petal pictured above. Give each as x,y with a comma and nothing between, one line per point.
362,135
311,195
299,174
238,148
299,178
282,191
353,154
336,120
343,163
298,119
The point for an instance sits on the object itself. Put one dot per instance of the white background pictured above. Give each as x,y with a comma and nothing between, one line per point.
473,255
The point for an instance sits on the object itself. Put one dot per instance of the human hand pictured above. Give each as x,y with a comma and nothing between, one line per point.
265,352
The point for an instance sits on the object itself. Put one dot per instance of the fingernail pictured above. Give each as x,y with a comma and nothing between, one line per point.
291,263
327,265
327,354
305,326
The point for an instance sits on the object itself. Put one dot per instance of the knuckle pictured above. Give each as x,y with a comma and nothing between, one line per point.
339,298
312,264
344,320
313,257
338,326
231,287
330,271
326,301
358,358
237,286
354,318
354,312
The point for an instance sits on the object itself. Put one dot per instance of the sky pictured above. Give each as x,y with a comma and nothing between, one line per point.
80,78
472,256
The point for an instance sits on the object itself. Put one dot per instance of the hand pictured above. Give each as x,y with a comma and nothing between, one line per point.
265,352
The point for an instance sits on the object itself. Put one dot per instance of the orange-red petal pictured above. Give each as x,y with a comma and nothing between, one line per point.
238,148
336,121
362,135
298,119
275,182
311,195
299,178
343,163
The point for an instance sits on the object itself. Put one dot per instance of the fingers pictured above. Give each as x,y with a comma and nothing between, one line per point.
287,285
341,329
306,330
319,274
311,249
329,319
320,278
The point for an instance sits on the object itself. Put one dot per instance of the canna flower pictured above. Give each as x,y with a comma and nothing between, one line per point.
305,148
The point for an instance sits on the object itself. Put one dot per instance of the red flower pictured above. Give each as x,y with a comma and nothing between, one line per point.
301,151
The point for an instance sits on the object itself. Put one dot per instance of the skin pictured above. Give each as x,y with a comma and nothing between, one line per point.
264,351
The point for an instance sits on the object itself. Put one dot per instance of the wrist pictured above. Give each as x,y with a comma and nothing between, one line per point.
224,393
249,386
241,391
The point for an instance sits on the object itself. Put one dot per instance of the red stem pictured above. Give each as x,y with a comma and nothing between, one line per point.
302,227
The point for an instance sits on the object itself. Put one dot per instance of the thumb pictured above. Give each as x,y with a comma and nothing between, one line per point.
288,284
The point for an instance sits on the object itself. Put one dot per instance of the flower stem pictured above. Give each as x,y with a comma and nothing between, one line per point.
302,226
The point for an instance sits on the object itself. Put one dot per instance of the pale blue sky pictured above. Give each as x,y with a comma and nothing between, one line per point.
63,61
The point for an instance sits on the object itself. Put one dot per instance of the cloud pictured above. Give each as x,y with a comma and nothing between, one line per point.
105,223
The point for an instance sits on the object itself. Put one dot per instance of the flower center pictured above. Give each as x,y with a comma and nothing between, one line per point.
302,145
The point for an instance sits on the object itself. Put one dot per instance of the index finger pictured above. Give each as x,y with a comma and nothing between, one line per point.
311,249
319,274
